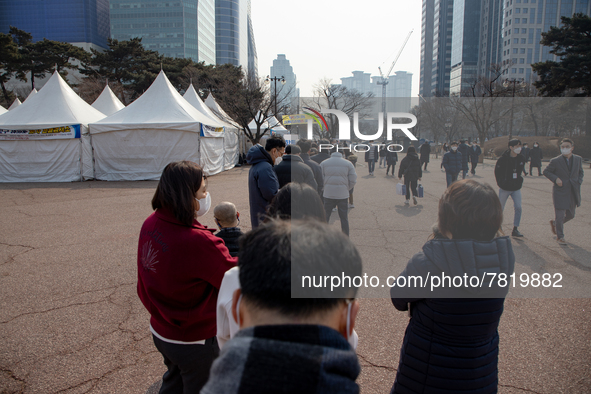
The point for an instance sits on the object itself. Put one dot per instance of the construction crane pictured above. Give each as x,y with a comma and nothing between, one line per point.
384,78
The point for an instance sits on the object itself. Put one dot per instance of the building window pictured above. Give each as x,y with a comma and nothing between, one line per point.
515,50
523,40
525,10
518,10
516,31
521,70
523,31
522,61
516,41
513,71
514,61
522,50
524,20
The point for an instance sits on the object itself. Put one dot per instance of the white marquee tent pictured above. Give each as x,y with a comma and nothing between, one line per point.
31,94
14,104
229,144
3,110
107,102
46,139
137,142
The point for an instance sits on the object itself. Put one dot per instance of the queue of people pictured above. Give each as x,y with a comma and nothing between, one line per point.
233,291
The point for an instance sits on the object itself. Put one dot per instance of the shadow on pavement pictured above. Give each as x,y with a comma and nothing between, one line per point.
408,210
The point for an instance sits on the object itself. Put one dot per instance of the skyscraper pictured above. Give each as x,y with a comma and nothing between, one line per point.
436,38
491,43
464,45
84,23
253,59
289,93
234,37
523,24
176,29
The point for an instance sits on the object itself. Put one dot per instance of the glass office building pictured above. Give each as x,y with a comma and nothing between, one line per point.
178,29
232,33
81,22
464,45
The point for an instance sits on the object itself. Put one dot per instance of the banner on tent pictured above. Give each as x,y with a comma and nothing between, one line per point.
52,133
291,139
295,119
208,131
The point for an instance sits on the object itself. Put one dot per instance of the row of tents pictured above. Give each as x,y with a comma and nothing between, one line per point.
55,136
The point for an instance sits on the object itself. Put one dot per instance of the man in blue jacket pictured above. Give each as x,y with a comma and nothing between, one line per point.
452,162
262,180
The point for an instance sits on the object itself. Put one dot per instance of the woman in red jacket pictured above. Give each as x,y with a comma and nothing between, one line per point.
180,269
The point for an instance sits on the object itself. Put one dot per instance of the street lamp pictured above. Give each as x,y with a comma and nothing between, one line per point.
506,83
275,80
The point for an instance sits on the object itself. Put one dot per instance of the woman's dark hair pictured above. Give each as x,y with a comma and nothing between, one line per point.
177,188
411,149
296,201
470,210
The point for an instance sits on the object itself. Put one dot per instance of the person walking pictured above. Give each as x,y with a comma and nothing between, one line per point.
452,163
451,343
473,154
463,148
410,168
535,158
391,160
339,178
371,156
383,153
425,151
305,146
262,180
180,269
566,173
508,175
445,147
525,152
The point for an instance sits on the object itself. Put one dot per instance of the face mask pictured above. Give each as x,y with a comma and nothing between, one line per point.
454,148
517,150
535,146
204,205
565,151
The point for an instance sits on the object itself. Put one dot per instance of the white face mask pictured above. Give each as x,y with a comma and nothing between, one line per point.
454,148
565,151
517,150
204,205
535,146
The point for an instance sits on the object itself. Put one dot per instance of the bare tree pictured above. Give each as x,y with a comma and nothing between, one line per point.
331,96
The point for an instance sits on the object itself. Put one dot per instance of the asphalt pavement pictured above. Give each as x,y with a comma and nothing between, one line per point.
71,321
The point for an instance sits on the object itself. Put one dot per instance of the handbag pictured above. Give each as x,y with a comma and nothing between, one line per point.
420,191
401,189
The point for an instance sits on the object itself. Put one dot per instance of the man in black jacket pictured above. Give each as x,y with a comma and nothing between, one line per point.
305,146
293,169
525,153
463,148
508,175
227,219
323,152
474,153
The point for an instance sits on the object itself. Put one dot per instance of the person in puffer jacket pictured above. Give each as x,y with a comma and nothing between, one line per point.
262,180
410,167
452,162
451,344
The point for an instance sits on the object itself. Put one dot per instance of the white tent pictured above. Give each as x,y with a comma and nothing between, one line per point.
3,110
14,104
33,92
46,138
107,102
229,147
137,142
276,127
219,111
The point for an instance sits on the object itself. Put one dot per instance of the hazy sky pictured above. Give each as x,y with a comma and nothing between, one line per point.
328,38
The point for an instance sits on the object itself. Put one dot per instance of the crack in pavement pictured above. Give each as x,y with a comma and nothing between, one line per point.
20,382
519,388
376,365
50,310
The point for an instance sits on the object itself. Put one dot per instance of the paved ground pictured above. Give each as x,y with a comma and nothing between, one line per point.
70,320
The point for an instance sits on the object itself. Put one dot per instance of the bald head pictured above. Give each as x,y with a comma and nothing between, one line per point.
225,213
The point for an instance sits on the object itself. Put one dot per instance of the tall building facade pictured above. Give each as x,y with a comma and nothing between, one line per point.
436,39
289,93
490,45
253,59
84,23
464,45
523,24
234,34
179,29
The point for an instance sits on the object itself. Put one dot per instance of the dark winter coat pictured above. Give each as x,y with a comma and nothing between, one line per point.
536,157
525,153
391,158
508,171
451,345
383,152
315,167
230,236
571,181
293,169
463,149
410,167
262,182
474,154
321,156
375,154
452,162
425,151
